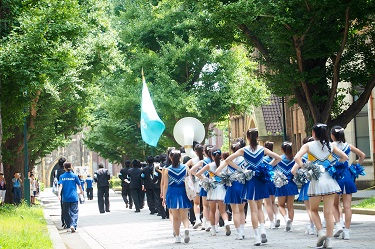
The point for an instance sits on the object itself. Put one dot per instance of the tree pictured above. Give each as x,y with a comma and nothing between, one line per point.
51,58
308,48
185,75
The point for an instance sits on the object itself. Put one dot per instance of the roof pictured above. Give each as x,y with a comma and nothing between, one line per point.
273,116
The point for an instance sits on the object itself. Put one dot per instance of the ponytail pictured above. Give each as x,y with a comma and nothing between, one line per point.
338,132
216,154
252,135
175,155
287,149
199,151
321,133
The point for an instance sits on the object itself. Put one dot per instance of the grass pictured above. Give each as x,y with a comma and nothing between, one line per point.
366,203
23,227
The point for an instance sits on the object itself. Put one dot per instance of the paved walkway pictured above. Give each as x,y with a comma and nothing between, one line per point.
122,228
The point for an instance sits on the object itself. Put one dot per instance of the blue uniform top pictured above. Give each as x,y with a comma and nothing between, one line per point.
89,182
69,182
285,166
82,184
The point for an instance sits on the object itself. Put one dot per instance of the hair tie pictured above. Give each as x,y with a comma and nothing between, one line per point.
175,152
338,130
321,125
216,152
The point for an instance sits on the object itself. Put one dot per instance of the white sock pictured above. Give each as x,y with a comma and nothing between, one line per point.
225,222
213,228
256,232
276,216
204,221
311,225
261,225
198,218
286,218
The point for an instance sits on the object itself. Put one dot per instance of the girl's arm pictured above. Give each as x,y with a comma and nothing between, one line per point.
275,157
200,172
221,167
341,154
359,153
193,169
229,161
298,158
165,184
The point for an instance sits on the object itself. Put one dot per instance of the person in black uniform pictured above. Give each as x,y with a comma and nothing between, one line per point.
58,173
125,190
136,184
156,181
101,177
148,175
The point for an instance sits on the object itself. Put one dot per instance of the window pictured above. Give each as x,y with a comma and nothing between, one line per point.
361,123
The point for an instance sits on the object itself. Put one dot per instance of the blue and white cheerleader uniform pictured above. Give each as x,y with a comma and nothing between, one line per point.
347,183
176,197
285,166
206,161
325,185
233,193
255,188
305,187
271,186
217,193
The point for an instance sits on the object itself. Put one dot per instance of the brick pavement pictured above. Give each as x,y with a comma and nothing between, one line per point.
123,228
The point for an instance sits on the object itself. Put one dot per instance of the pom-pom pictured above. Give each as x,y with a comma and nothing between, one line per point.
337,171
356,170
208,184
312,171
264,173
244,176
280,179
301,176
227,178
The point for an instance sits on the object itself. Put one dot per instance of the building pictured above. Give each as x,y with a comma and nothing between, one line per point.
82,158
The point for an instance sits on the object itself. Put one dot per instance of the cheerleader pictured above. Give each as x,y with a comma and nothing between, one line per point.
255,189
303,197
203,193
234,192
320,152
216,194
346,184
199,152
269,203
175,195
285,194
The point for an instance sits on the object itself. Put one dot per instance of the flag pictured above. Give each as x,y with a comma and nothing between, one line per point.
151,125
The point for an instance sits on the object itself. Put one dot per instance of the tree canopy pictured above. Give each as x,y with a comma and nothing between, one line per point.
307,48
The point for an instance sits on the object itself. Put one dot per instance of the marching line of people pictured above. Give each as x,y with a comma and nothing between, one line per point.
255,175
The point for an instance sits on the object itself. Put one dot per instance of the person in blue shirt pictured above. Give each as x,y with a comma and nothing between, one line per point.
89,189
69,182
82,196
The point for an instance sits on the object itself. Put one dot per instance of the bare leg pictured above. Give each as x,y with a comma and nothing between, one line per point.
176,221
290,201
328,201
347,201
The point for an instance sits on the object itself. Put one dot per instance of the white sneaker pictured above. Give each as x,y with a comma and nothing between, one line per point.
321,238
277,224
263,235
288,225
197,224
338,230
177,239
257,240
227,230
345,234
272,225
312,231
239,237
213,232
328,243
208,228
187,237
